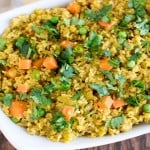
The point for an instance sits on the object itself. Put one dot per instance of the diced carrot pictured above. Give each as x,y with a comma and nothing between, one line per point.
68,112
118,103
18,108
11,73
22,88
106,102
106,25
50,63
67,43
74,8
104,64
38,63
25,63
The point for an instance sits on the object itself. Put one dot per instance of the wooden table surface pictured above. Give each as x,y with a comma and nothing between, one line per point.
138,143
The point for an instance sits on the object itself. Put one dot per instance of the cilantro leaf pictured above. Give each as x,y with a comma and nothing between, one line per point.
95,16
8,99
120,78
143,25
115,62
132,100
25,47
68,71
59,122
127,19
50,26
139,84
66,56
109,75
116,122
77,95
37,113
38,97
100,89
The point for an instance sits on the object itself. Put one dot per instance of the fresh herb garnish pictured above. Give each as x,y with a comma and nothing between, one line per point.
139,84
100,89
50,26
38,96
132,100
25,47
115,62
68,71
95,16
127,19
37,113
66,57
77,95
23,96
109,75
8,99
59,122
93,42
143,25
116,122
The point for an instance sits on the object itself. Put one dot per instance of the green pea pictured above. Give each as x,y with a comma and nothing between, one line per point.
78,49
146,108
36,74
41,112
122,34
54,19
131,63
82,30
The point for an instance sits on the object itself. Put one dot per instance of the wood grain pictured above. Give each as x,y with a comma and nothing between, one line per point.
138,143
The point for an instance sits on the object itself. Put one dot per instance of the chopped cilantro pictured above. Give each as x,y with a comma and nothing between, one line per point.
139,84
100,89
68,71
95,16
25,47
115,62
8,99
59,122
109,75
37,95
116,122
66,56
93,42
37,113
143,25
132,100
77,95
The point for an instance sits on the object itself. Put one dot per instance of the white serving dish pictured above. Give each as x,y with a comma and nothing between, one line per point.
19,138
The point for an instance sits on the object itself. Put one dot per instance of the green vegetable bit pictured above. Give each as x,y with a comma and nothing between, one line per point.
25,47
8,99
116,122
58,122
78,49
68,71
54,19
100,89
139,84
131,63
35,74
127,19
146,108
2,62
98,15
2,44
132,100
115,62
38,113
82,30
38,96
122,35
77,95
